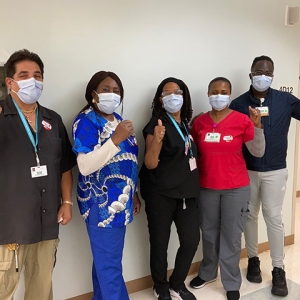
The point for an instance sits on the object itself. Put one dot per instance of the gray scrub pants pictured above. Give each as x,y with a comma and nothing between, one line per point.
267,189
223,214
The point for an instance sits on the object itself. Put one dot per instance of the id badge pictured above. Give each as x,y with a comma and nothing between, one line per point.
212,137
39,171
228,138
193,164
264,110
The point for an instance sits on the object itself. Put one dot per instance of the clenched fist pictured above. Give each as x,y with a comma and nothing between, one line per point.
122,132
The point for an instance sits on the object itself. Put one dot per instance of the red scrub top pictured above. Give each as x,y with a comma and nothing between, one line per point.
221,164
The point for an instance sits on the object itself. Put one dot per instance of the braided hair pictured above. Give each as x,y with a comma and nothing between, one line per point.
186,109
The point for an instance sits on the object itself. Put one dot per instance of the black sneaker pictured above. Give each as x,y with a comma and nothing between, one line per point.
163,296
253,271
233,295
183,294
279,287
198,283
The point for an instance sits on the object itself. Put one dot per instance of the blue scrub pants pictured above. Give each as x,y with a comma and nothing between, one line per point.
107,248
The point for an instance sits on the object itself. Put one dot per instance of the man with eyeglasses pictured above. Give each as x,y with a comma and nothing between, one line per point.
268,174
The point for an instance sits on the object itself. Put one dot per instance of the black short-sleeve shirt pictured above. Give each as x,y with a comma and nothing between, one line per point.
29,206
173,176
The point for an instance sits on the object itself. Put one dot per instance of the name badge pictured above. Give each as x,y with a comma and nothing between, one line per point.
212,137
193,164
264,110
228,138
39,171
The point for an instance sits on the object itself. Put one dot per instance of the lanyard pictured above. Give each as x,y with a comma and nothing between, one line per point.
187,140
29,132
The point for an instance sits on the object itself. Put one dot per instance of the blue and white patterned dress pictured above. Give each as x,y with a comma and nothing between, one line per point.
112,187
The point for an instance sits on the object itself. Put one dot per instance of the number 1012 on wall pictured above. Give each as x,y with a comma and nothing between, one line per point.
288,89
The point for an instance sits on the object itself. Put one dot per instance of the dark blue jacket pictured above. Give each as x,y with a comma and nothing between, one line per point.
282,107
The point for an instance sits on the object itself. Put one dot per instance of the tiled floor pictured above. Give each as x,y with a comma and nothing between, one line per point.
252,291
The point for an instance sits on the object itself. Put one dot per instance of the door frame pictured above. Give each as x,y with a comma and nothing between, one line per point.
296,164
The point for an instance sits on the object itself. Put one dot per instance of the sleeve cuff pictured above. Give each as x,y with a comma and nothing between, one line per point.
258,131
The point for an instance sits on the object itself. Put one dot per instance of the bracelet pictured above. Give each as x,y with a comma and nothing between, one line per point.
67,202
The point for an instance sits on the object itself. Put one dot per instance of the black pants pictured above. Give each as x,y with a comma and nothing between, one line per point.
161,212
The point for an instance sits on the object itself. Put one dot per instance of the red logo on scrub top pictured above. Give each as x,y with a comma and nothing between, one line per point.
46,125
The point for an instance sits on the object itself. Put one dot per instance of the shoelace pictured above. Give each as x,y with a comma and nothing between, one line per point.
166,295
184,291
278,276
254,265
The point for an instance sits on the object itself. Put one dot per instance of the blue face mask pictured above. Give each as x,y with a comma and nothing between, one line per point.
172,103
219,102
30,90
108,102
261,83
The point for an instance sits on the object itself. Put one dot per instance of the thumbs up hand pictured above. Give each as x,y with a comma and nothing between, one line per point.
159,131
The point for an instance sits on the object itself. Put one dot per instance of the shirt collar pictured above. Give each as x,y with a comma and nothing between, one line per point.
255,100
10,109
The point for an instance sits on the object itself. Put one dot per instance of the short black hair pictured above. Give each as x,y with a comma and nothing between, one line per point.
259,58
21,55
186,109
219,79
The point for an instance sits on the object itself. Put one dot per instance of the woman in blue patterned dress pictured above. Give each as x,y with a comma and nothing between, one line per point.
107,152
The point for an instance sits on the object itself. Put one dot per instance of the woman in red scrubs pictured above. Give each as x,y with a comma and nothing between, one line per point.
225,192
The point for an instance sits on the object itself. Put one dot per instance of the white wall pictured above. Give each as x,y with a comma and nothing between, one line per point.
144,42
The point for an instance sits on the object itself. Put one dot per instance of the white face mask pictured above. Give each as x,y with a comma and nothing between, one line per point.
172,103
108,102
261,83
30,90
219,102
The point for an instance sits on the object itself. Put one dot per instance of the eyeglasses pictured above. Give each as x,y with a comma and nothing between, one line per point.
260,73
176,92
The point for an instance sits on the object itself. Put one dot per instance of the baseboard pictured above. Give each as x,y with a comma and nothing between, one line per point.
146,282
288,240
87,296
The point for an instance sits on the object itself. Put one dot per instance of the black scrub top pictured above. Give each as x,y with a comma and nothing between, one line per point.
173,176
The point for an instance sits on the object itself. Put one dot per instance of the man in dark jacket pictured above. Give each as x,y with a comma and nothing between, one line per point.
268,174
